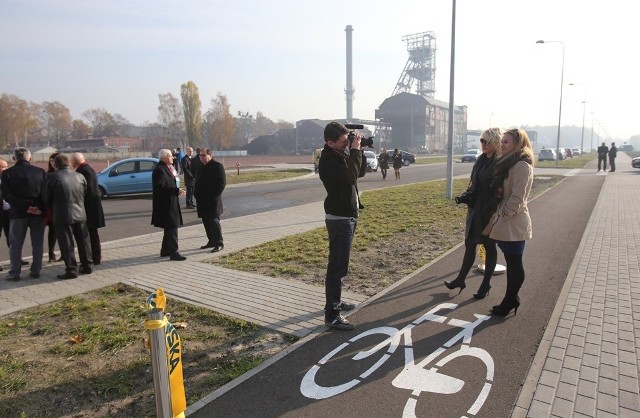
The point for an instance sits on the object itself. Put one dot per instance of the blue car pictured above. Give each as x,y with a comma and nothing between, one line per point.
128,176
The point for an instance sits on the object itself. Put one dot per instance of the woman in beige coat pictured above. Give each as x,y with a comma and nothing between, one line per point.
510,226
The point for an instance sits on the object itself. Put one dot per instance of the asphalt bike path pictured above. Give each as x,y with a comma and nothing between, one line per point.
420,350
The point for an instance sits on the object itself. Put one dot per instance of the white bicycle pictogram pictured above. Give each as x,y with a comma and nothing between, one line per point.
414,376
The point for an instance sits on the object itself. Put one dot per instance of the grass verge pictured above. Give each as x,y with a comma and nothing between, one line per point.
84,356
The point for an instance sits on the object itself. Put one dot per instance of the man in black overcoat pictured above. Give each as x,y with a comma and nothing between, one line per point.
21,188
209,186
92,204
166,212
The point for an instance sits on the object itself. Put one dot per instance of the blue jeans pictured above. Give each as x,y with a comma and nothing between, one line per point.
17,233
341,233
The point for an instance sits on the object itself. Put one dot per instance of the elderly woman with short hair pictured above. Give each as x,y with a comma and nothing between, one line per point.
166,212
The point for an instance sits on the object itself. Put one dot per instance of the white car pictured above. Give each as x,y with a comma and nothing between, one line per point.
576,152
372,161
471,155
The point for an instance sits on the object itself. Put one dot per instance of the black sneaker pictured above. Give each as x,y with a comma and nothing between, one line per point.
339,322
346,306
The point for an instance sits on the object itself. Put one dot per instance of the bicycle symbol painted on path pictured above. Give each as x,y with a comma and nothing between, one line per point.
416,377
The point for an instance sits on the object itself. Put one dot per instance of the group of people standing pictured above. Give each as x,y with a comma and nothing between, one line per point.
498,214
67,201
396,162
205,180
603,152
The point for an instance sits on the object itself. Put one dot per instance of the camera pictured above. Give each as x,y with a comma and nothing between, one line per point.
466,197
364,142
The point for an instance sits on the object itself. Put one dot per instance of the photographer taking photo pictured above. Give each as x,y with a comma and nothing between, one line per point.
481,205
341,164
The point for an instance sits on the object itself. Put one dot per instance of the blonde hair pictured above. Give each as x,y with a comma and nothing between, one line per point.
523,144
493,136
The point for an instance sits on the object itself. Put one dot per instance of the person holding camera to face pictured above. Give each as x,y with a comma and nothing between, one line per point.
341,164
481,204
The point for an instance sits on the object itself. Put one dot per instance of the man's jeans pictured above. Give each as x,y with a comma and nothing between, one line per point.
17,233
341,233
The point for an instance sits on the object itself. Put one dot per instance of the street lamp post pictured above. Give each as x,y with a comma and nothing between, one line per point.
592,118
561,86
584,105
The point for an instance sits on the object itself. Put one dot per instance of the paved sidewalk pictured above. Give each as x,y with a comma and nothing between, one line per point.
588,361
278,304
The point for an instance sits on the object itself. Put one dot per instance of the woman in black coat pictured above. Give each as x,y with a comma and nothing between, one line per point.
481,203
166,212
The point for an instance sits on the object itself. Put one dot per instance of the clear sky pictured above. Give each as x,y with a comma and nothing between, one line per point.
286,58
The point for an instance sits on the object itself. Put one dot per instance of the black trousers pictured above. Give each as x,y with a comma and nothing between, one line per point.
169,242
66,234
96,247
612,164
602,159
214,230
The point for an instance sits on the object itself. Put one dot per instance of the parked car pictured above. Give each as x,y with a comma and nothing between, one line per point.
372,161
562,153
407,157
128,176
568,152
471,155
635,163
547,154
576,152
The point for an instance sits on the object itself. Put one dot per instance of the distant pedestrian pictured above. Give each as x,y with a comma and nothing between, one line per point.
602,156
189,179
481,205
613,153
208,190
397,162
92,204
510,225
166,212
178,162
196,165
383,158
21,188
51,229
341,164
65,192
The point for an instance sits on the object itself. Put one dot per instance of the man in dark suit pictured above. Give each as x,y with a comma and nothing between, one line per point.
613,153
189,178
92,204
22,189
602,156
64,193
209,186
166,212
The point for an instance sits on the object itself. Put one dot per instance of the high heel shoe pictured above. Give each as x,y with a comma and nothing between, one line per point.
503,310
483,291
455,284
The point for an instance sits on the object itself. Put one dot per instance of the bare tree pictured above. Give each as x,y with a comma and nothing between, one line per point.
220,123
170,115
103,122
79,129
57,118
192,112
16,120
